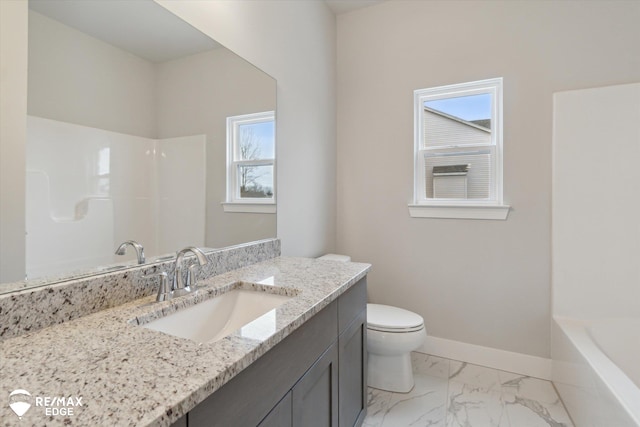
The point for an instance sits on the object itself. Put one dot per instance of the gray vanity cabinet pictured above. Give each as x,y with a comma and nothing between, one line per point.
314,377
313,401
280,416
315,396
352,382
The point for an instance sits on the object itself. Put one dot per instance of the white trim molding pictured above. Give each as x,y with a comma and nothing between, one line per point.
518,363
269,208
236,160
499,212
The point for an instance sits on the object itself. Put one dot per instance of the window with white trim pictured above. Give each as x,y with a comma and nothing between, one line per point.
251,163
458,151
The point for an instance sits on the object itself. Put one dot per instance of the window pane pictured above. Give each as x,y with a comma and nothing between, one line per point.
453,184
256,181
256,141
458,121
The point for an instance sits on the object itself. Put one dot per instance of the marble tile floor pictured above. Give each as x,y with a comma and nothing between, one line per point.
449,393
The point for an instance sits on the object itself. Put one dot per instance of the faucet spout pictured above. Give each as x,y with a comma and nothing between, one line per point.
179,287
137,246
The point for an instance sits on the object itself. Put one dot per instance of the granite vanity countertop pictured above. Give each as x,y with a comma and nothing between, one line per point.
125,374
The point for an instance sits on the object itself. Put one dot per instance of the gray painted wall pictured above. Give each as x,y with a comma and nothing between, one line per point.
476,281
13,134
196,94
294,42
75,78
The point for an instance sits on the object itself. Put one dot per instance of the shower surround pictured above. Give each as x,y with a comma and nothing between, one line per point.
89,189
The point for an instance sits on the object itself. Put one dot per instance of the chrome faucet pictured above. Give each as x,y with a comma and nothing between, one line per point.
179,287
137,246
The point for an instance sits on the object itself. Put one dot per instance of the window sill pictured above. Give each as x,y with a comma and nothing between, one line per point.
268,208
499,212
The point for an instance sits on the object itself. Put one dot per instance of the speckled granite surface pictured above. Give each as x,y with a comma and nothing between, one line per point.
33,309
126,374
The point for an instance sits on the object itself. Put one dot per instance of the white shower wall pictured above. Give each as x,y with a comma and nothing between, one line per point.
596,202
88,190
596,253
181,192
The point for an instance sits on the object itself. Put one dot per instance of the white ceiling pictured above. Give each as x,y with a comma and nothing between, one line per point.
343,6
142,27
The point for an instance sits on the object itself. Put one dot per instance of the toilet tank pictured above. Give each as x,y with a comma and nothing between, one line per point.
335,257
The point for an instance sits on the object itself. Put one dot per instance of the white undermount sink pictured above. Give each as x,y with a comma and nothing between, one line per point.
252,313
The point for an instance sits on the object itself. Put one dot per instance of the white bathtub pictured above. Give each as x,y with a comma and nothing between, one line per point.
596,370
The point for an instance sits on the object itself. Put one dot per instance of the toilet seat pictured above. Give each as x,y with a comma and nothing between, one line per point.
385,318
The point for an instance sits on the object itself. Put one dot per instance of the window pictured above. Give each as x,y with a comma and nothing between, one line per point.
251,163
458,152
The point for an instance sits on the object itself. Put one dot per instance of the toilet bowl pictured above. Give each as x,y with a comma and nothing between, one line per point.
392,334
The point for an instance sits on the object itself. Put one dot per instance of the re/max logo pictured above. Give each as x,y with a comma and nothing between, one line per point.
59,401
21,400
58,405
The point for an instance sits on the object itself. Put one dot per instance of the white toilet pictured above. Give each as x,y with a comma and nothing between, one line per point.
392,334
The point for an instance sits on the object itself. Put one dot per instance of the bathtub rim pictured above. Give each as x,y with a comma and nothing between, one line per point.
617,382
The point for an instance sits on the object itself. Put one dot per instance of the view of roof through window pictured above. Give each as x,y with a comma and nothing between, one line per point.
474,108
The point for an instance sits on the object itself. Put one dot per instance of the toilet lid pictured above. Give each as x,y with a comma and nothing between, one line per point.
392,319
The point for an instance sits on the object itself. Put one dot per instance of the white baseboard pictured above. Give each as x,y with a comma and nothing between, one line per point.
523,364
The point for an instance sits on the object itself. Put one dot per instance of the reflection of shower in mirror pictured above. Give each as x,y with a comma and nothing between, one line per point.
88,190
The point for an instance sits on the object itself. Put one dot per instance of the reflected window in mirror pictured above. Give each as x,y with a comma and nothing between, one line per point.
251,163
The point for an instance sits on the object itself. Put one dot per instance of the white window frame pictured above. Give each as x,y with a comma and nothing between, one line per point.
233,202
491,208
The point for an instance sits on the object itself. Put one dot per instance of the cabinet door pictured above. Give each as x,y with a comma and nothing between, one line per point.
352,383
280,416
315,396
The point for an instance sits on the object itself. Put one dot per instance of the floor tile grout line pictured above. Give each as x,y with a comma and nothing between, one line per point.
562,403
446,395
486,367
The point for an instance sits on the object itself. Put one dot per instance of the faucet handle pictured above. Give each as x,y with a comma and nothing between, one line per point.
191,276
163,290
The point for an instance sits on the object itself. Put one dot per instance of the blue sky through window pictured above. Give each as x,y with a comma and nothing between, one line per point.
265,132
473,107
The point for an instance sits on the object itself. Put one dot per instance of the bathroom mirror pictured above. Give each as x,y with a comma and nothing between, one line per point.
127,139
